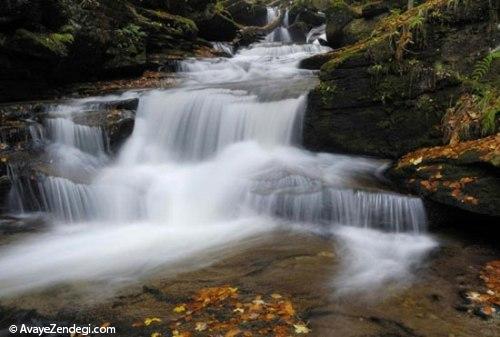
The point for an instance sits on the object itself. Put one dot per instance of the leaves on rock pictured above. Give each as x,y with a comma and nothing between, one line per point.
486,303
223,311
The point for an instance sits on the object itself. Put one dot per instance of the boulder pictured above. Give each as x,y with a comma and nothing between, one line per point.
464,175
369,102
374,9
338,16
217,27
359,29
248,13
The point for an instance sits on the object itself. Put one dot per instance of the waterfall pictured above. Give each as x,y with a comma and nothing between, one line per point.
223,47
281,33
315,34
88,139
195,125
210,162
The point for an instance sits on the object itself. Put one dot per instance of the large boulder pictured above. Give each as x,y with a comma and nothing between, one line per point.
464,175
339,14
217,27
373,101
248,13
359,29
373,9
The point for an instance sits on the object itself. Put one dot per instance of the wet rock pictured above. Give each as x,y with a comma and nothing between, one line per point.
119,129
126,104
304,16
359,29
464,175
338,16
371,102
50,43
217,27
374,9
248,13
10,225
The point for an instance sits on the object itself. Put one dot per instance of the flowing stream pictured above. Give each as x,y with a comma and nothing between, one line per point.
209,163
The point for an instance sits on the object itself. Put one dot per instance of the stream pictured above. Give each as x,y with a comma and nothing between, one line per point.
211,163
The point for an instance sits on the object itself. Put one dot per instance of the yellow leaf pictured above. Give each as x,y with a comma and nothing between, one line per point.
156,334
240,310
179,309
301,328
200,326
151,320
416,161
177,333
232,333
276,296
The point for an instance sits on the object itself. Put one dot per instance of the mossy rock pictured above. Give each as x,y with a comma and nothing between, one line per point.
248,13
359,29
338,15
46,46
217,27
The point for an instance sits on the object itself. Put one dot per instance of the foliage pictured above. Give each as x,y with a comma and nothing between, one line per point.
483,66
130,38
224,311
490,107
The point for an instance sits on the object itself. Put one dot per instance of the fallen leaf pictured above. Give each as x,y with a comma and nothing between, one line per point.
179,309
232,333
200,326
301,329
149,321
156,334
416,161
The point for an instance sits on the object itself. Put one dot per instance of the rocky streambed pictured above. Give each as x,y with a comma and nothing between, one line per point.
301,270
195,210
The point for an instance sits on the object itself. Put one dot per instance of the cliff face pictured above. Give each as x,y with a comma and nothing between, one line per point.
422,78
45,43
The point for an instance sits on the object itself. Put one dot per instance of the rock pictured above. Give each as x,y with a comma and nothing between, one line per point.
359,29
464,175
374,9
49,47
218,27
119,128
315,62
371,103
304,16
49,43
248,13
338,16
127,104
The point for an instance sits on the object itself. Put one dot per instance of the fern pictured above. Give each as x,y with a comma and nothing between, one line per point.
483,66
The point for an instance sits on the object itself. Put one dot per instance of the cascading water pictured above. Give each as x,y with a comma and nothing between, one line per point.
209,163
315,34
281,33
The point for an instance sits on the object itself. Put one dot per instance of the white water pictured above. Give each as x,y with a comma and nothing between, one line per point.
208,164
315,34
280,34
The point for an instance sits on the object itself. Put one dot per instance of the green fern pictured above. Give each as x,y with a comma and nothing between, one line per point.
483,66
417,21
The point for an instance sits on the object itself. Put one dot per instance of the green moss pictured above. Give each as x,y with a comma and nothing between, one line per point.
55,43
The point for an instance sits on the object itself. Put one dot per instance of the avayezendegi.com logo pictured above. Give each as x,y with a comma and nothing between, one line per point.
73,330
